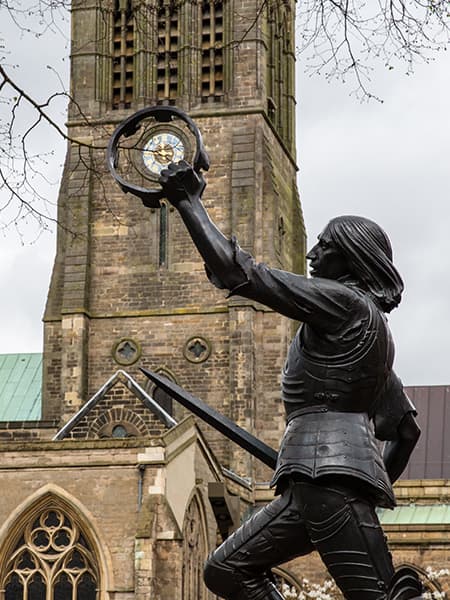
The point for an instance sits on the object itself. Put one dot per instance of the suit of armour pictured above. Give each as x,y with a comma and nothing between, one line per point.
341,396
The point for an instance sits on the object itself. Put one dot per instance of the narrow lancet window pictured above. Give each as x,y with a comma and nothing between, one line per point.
163,234
280,68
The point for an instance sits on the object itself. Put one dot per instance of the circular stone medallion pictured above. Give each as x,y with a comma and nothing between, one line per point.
126,352
197,349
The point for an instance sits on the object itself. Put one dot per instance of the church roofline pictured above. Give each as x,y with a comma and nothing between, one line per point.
20,386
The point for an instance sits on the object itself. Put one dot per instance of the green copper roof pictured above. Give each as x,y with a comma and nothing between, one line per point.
20,387
434,514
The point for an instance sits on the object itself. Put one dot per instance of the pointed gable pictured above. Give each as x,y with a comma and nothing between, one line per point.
120,408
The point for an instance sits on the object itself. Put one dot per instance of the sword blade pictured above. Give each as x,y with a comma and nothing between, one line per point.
226,426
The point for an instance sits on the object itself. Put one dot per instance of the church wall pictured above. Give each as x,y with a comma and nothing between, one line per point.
96,478
125,293
126,510
52,370
109,281
118,406
26,431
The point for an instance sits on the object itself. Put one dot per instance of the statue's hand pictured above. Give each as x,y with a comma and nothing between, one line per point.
180,182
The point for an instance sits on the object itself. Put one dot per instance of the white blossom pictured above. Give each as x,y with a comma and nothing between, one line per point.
327,590
310,591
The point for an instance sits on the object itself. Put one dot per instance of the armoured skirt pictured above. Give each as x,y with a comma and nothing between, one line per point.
321,442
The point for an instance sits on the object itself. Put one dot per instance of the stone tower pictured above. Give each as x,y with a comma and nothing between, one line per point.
128,288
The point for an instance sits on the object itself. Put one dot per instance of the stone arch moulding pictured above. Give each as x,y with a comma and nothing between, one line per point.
196,498
105,422
166,402
195,548
48,496
166,372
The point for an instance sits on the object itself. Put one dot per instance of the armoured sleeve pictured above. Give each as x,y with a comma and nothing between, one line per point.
391,406
324,304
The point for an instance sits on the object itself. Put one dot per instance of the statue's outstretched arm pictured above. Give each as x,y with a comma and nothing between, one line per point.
183,188
322,303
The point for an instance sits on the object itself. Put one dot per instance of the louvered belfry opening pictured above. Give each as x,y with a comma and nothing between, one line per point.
280,68
212,79
163,52
167,58
123,55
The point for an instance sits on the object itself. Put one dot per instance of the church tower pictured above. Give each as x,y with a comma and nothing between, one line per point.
128,288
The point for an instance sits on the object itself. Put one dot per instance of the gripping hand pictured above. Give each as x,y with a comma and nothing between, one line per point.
180,182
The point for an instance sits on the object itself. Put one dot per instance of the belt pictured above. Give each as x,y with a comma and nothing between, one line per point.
306,410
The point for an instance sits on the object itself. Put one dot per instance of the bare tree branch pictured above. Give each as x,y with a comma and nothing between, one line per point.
339,39
342,39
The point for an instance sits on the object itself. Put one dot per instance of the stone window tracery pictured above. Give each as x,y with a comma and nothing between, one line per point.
51,561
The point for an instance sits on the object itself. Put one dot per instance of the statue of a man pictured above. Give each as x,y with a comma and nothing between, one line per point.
341,396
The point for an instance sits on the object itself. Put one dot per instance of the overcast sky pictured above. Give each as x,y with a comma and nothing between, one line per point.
389,162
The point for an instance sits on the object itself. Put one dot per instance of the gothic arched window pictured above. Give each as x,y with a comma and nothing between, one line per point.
194,552
158,394
52,560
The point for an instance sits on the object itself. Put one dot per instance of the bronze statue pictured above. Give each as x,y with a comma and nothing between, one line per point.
341,396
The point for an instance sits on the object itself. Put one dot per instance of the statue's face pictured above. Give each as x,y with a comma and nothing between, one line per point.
325,258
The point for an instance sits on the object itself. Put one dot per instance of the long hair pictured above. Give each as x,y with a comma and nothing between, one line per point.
369,256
